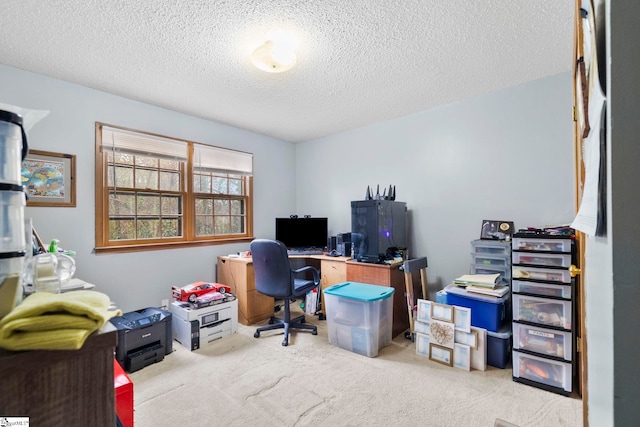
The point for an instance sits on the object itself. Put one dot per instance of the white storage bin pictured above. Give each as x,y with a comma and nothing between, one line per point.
542,245
541,370
542,289
542,259
490,247
547,342
542,274
359,316
542,311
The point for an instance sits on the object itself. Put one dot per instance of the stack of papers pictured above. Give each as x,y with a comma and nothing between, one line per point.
482,280
486,284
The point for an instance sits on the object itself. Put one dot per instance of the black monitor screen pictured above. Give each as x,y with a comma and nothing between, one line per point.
302,232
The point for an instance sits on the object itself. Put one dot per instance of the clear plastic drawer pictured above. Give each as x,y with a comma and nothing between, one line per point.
485,259
490,247
547,260
543,245
542,289
541,340
541,370
543,274
543,311
504,271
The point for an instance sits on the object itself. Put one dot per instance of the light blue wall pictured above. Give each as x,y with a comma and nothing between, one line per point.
507,155
139,279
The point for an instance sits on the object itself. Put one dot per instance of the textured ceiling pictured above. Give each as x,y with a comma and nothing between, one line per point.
359,61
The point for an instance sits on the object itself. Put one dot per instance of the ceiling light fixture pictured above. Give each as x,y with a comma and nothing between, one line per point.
274,57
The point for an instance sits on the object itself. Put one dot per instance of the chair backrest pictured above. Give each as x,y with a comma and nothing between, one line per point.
272,268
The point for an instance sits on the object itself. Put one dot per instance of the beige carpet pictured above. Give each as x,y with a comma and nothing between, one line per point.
243,381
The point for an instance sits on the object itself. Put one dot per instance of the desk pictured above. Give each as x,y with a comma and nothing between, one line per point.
253,307
61,387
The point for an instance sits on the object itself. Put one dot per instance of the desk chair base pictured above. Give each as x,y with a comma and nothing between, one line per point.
286,324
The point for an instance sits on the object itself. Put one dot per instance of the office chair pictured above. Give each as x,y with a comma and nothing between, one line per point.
274,277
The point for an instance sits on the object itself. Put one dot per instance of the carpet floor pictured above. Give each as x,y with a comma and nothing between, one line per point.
240,380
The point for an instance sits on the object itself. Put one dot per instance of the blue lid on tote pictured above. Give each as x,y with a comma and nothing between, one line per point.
360,291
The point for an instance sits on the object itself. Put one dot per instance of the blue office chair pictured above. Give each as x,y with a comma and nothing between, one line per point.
275,278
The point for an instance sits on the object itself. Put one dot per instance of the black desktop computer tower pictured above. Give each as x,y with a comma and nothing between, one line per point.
377,226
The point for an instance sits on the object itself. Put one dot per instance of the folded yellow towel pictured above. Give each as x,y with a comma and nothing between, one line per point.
45,321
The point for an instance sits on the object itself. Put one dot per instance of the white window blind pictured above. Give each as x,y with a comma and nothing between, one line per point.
221,160
120,140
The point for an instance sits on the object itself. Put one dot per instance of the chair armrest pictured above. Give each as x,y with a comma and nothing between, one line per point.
314,273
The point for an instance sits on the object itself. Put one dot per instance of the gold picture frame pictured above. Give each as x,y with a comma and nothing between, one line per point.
441,354
49,178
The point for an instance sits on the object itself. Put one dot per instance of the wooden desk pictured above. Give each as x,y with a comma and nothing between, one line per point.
254,307
62,387
384,275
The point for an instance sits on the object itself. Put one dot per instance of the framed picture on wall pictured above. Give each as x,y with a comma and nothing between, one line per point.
49,178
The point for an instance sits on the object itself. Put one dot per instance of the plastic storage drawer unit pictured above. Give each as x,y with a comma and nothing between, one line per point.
495,260
491,247
359,316
487,312
547,342
542,259
556,375
541,245
541,289
543,274
542,311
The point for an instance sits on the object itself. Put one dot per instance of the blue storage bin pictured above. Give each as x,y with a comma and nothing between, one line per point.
499,347
487,312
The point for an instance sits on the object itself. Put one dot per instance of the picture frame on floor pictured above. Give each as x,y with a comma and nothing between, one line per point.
442,312
467,338
462,318
462,357
441,354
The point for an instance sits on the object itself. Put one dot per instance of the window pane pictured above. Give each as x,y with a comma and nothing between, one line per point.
147,179
237,207
170,164
121,229
204,225
122,204
123,158
148,204
223,225
151,162
204,206
202,183
171,205
235,187
171,227
148,228
237,224
220,185
123,176
221,207
169,181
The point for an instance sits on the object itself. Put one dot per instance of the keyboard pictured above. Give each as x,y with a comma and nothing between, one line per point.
309,251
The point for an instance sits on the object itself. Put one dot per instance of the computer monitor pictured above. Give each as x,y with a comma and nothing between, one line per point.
302,232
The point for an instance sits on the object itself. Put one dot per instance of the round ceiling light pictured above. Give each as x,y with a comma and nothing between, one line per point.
274,57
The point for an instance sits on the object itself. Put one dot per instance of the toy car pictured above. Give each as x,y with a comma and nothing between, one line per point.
194,290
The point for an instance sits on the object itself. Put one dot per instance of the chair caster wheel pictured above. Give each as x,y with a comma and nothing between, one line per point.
271,322
408,335
303,320
285,343
256,335
276,308
314,332
321,316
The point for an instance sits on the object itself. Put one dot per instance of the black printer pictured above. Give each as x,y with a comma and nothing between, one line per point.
144,337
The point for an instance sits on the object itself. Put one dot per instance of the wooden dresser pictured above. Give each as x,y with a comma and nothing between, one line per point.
61,387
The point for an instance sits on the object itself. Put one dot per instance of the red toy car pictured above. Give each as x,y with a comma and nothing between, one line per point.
194,290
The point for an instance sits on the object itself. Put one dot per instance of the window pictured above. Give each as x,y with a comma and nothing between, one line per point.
158,192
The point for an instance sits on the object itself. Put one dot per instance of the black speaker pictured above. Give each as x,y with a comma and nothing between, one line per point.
344,249
332,243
